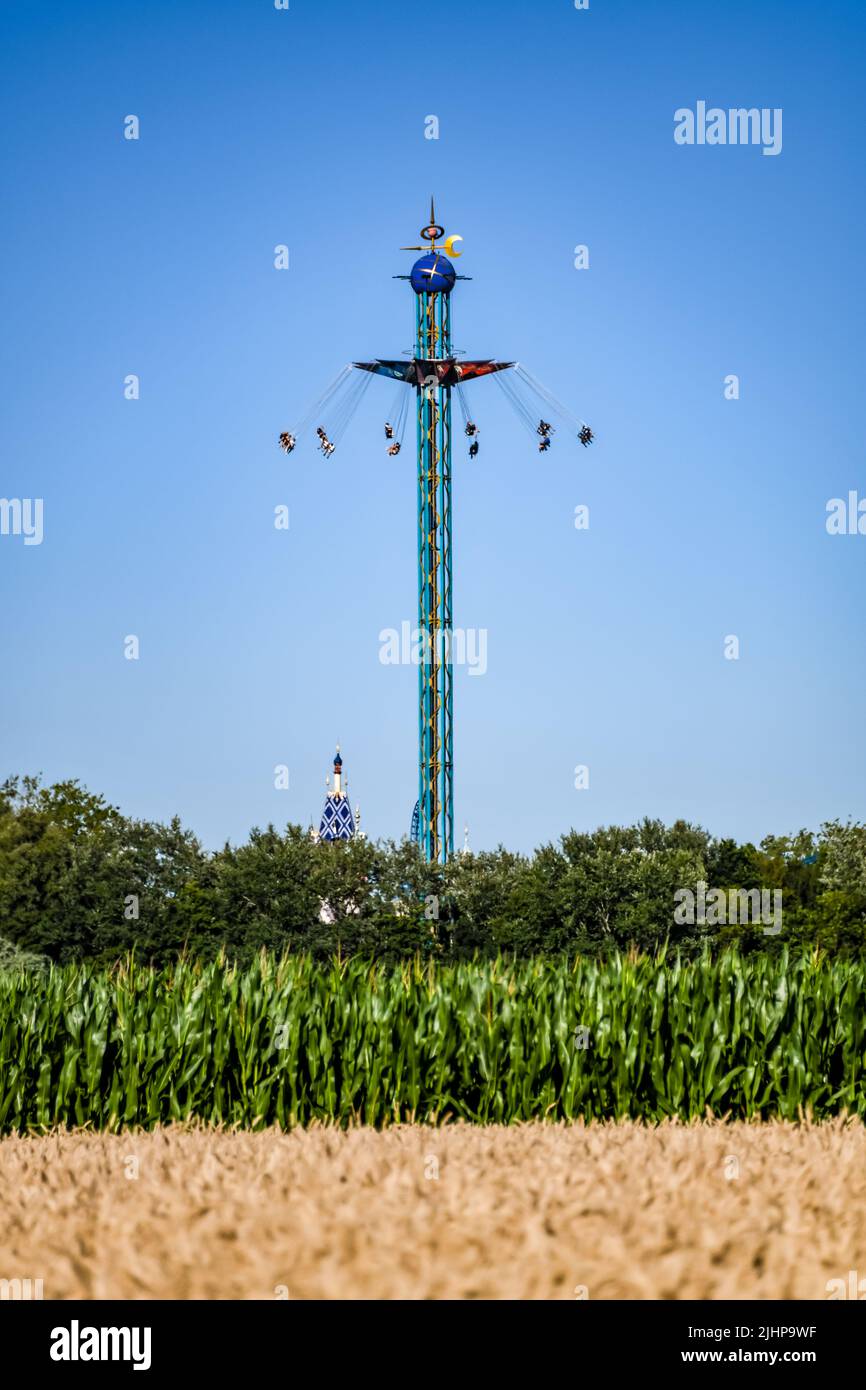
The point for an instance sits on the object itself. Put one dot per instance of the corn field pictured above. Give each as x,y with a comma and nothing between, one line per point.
290,1041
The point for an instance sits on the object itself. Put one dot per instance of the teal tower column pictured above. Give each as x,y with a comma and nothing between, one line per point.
432,373
435,669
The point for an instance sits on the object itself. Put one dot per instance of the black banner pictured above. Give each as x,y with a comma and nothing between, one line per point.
62,1340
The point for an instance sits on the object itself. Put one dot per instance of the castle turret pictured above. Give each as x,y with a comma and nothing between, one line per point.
338,822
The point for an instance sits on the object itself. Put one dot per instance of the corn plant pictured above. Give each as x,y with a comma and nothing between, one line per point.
289,1041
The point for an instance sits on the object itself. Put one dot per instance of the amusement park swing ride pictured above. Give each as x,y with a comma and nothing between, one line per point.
432,376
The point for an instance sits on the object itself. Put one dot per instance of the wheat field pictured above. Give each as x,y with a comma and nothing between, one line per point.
604,1211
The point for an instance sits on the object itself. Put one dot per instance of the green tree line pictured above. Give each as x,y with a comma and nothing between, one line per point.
81,881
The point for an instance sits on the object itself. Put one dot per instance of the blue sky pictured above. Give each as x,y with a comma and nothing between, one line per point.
260,647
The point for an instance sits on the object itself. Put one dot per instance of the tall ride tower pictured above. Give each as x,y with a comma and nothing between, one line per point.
432,373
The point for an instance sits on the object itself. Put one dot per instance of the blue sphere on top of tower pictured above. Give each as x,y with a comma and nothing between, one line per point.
433,274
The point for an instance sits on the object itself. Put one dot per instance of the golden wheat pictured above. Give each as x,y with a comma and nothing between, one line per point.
704,1211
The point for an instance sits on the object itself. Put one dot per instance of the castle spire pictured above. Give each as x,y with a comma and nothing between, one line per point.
337,821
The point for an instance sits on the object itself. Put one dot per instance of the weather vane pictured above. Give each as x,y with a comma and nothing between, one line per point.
434,232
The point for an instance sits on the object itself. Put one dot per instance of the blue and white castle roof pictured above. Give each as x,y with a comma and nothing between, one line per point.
338,822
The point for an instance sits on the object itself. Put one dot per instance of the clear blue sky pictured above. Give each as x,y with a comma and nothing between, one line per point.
260,646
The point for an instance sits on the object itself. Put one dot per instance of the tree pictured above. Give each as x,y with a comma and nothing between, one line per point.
80,880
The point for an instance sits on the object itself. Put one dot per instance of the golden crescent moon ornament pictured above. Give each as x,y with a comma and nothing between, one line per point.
448,244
